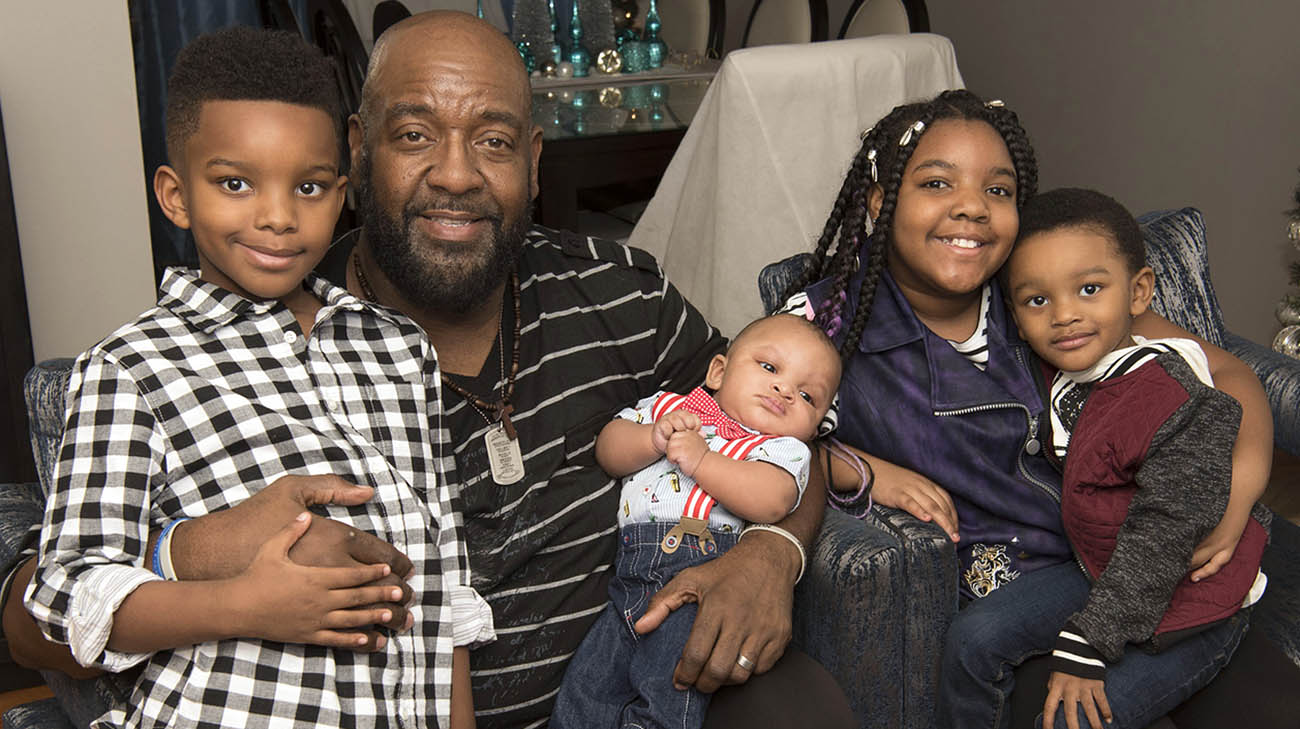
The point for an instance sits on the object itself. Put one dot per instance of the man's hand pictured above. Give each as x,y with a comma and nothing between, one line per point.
27,644
674,422
1073,690
745,599
222,545
329,603
908,490
686,450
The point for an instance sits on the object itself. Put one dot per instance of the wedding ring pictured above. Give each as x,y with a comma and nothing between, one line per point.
745,663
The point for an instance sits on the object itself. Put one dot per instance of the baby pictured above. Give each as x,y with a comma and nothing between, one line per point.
695,468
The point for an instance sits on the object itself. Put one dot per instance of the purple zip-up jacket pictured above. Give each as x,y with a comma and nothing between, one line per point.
909,397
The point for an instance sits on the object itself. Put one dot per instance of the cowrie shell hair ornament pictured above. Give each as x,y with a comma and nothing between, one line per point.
916,128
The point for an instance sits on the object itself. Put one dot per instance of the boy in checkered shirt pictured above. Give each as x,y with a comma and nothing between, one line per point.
247,370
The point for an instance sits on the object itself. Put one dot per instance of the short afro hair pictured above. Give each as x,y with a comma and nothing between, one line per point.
240,63
1073,207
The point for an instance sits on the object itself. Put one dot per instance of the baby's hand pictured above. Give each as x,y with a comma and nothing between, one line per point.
674,422
686,450
278,599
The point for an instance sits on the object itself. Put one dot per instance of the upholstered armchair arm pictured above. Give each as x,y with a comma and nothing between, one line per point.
929,604
848,615
1281,378
873,609
46,389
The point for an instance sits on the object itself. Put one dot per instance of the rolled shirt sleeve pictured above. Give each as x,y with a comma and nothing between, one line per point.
471,617
95,598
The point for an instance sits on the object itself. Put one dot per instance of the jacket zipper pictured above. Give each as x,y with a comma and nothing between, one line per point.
1032,424
1033,430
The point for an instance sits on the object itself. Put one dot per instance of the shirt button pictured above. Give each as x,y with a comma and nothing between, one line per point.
290,337
331,405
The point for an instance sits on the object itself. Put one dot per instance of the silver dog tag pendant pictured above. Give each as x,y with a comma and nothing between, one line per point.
504,456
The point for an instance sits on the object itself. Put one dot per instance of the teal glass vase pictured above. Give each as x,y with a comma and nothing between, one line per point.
578,56
658,50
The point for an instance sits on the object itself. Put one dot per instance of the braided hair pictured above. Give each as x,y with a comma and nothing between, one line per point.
881,160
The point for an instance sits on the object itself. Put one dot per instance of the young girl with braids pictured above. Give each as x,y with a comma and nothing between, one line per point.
943,400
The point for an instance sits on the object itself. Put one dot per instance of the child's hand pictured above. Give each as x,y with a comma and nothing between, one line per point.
686,450
1074,690
277,599
908,490
675,422
1215,551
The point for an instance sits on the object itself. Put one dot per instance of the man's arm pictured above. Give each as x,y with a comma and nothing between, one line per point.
221,545
27,644
1252,454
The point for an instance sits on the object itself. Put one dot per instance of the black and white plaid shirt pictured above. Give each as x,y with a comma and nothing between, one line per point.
194,407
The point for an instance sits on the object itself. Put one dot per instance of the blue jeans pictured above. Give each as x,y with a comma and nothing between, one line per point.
618,678
992,635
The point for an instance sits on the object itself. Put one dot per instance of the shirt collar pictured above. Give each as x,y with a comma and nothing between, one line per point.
208,307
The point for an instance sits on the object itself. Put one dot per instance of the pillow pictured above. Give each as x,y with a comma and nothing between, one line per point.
1177,252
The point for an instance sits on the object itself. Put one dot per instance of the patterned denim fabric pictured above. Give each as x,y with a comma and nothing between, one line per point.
43,714
46,389
22,505
1281,377
1177,252
849,614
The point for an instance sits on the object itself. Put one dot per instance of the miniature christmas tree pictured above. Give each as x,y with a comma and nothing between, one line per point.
532,27
597,26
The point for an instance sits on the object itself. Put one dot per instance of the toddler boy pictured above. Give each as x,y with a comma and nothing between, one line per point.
1146,444
695,468
250,369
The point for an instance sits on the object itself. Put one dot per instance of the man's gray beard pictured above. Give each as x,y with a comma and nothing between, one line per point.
437,276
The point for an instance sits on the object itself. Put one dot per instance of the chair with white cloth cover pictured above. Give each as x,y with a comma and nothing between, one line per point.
693,25
363,13
758,170
879,17
785,21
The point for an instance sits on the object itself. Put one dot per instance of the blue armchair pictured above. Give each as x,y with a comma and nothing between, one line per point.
879,592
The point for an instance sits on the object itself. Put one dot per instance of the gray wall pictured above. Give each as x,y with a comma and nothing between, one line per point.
1160,103
67,79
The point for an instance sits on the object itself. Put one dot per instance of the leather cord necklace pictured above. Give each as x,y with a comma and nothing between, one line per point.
502,407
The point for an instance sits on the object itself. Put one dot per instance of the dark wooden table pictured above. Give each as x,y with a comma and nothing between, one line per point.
620,132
